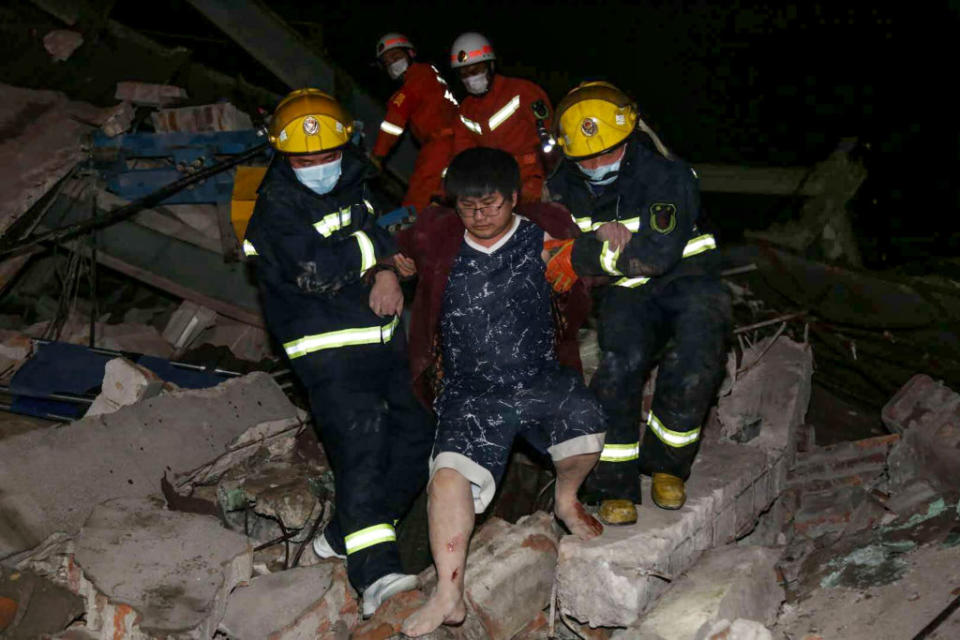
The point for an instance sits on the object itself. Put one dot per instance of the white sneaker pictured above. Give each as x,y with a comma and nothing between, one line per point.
323,549
389,585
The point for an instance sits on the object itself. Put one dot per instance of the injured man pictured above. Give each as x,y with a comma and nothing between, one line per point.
501,376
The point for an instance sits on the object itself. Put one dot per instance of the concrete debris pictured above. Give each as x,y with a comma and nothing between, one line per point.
15,348
612,580
860,463
727,583
927,413
32,606
61,43
188,322
769,395
221,116
199,217
44,139
739,629
838,511
168,574
151,95
889,603
119,119
302,603
388,619
126,383
509,576
52,477
283,491
131,337
244,341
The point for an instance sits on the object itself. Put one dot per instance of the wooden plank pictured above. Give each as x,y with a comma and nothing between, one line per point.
772,181
181,291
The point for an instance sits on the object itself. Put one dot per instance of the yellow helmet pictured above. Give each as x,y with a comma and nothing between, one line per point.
594,117
309,121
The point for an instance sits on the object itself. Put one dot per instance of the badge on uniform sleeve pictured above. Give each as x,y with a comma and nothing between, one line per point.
663,217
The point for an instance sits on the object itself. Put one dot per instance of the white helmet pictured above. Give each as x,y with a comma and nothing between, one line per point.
393,41
470,48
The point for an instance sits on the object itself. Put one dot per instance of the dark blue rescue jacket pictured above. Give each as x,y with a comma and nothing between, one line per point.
311,252
657,199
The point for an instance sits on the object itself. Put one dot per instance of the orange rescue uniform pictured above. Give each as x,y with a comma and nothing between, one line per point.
426,103
503,118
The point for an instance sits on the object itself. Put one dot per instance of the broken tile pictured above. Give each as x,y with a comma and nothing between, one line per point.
52,477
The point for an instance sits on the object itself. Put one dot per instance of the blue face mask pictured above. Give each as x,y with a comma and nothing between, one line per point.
602,175
320,178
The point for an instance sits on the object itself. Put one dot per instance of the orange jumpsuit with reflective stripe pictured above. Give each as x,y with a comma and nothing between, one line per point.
427,105
503,118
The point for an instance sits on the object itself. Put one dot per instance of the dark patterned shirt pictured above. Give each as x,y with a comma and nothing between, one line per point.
496,323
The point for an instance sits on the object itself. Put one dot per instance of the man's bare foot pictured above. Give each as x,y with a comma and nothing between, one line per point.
578,521
441,608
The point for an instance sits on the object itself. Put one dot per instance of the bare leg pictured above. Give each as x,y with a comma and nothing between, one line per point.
450,514
570,475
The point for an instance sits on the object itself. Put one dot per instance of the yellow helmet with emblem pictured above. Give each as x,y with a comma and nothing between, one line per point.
309,121
594,117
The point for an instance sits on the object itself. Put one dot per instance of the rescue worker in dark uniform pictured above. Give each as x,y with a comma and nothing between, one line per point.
427,105
638,210
317,246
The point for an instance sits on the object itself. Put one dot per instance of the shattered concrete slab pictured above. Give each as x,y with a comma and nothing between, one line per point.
509,576
890,599
45,140
738,629
303,603
612,580
187,322
51,478
174,569
125,383
769,395
727,583
146,572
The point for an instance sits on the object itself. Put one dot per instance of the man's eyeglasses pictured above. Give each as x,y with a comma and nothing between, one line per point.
486,211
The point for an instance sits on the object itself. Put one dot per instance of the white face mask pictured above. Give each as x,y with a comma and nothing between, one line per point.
477,85
320,178
397,68
604,174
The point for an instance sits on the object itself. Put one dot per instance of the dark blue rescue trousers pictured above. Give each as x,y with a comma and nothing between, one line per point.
688,320
378,439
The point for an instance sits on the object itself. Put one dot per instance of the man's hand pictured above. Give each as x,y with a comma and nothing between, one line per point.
386,298
615,233
406,266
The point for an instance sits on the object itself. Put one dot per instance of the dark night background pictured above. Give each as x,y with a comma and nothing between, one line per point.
760,83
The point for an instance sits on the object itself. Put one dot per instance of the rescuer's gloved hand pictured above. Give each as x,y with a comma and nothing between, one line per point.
560,273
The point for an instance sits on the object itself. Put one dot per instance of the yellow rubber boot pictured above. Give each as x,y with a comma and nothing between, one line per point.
668,491
618,512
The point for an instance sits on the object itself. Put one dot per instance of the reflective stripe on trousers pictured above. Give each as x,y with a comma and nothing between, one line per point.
620,452
670,437
342,338
377,534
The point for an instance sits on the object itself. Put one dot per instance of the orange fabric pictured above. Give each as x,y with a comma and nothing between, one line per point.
424,102
427,180
517,134
560,273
